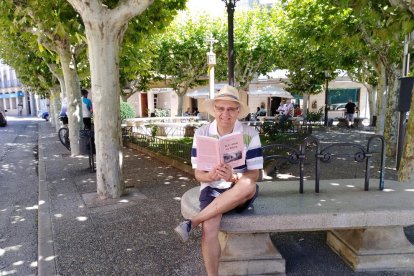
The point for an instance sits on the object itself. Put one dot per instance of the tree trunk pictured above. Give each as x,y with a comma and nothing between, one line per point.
382,98
55,104
73,96
305,104
406,170
180,104
372,97
391,117
104,43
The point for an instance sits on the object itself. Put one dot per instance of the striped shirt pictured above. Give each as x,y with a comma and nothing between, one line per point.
252,146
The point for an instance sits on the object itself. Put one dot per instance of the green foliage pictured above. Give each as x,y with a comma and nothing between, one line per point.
126,111
315,116
139,46
159,112
181,52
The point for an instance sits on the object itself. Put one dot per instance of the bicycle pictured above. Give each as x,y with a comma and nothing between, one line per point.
63,135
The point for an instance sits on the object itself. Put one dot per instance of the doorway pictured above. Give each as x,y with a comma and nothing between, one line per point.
274,103
144,104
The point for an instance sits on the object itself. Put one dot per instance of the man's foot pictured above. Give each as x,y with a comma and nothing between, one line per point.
183,230
352,126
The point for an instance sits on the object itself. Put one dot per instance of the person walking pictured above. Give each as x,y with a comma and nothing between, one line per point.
223,189
349,115
86,109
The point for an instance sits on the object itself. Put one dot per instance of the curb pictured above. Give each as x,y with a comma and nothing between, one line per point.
46,254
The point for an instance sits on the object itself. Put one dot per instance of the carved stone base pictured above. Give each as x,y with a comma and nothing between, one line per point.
249,254
373,249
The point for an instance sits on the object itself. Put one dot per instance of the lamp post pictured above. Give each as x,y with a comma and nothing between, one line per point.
230,5
327,76
211,61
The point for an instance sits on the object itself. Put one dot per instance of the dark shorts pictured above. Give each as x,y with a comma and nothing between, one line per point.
208,194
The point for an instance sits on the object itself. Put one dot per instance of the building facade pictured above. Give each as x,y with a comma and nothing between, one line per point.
14,97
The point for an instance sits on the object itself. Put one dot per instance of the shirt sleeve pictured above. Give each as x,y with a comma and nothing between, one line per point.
254,154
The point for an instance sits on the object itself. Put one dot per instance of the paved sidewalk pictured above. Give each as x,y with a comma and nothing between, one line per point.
79,235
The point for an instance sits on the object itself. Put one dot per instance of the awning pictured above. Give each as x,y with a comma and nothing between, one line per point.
161,90
270,91
203,92
11,95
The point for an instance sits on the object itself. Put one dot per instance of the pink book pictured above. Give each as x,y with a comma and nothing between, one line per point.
229,149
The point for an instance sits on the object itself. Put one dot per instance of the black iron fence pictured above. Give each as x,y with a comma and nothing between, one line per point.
284,153
328,154
171,148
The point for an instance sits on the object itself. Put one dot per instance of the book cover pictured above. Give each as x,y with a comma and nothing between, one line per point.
229,149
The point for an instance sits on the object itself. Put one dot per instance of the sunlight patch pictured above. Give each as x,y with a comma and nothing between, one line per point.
388,190
167,182
124,201
10,272
33,264
409,190
81,218
58,215
284,176
34,207
18,263
50,258
177,198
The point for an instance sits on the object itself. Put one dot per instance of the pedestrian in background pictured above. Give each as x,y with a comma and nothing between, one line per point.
349,115
86,110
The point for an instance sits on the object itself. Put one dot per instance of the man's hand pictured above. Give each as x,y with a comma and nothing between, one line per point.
225,172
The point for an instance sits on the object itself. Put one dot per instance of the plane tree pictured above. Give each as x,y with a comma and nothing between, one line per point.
105,25
57,29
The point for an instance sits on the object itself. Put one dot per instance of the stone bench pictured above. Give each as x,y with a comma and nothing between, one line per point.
364,227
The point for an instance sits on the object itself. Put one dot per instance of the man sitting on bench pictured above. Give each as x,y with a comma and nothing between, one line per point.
223,189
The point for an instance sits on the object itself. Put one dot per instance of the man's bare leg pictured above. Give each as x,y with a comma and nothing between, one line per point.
210,245
227,201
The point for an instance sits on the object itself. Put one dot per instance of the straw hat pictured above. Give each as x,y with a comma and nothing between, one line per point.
227,93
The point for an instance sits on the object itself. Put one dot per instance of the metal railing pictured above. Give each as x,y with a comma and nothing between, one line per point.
283,152
171,148
328,155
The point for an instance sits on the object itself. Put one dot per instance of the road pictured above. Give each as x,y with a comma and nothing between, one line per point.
18,196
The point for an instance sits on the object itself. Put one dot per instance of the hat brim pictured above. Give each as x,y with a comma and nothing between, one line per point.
209,106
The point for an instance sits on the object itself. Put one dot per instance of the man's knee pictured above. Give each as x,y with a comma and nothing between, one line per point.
247,187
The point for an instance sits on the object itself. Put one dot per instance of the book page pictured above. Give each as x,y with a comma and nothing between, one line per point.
207,153
232,150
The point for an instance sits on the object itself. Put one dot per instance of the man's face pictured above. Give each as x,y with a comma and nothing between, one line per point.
226,113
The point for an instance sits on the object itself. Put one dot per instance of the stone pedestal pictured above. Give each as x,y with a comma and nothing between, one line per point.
249,254
374,249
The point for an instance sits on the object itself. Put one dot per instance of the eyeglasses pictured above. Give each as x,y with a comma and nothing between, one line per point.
230,110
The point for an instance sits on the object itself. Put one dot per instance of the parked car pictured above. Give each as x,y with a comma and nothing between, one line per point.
3,119
339,106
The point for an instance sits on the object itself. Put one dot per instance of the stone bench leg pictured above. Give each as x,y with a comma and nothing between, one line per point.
249,254
373,249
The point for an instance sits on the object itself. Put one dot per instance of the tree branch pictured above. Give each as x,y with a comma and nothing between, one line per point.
127,9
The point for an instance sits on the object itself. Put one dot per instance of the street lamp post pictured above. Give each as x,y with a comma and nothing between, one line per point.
231,5
327,76
211,61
